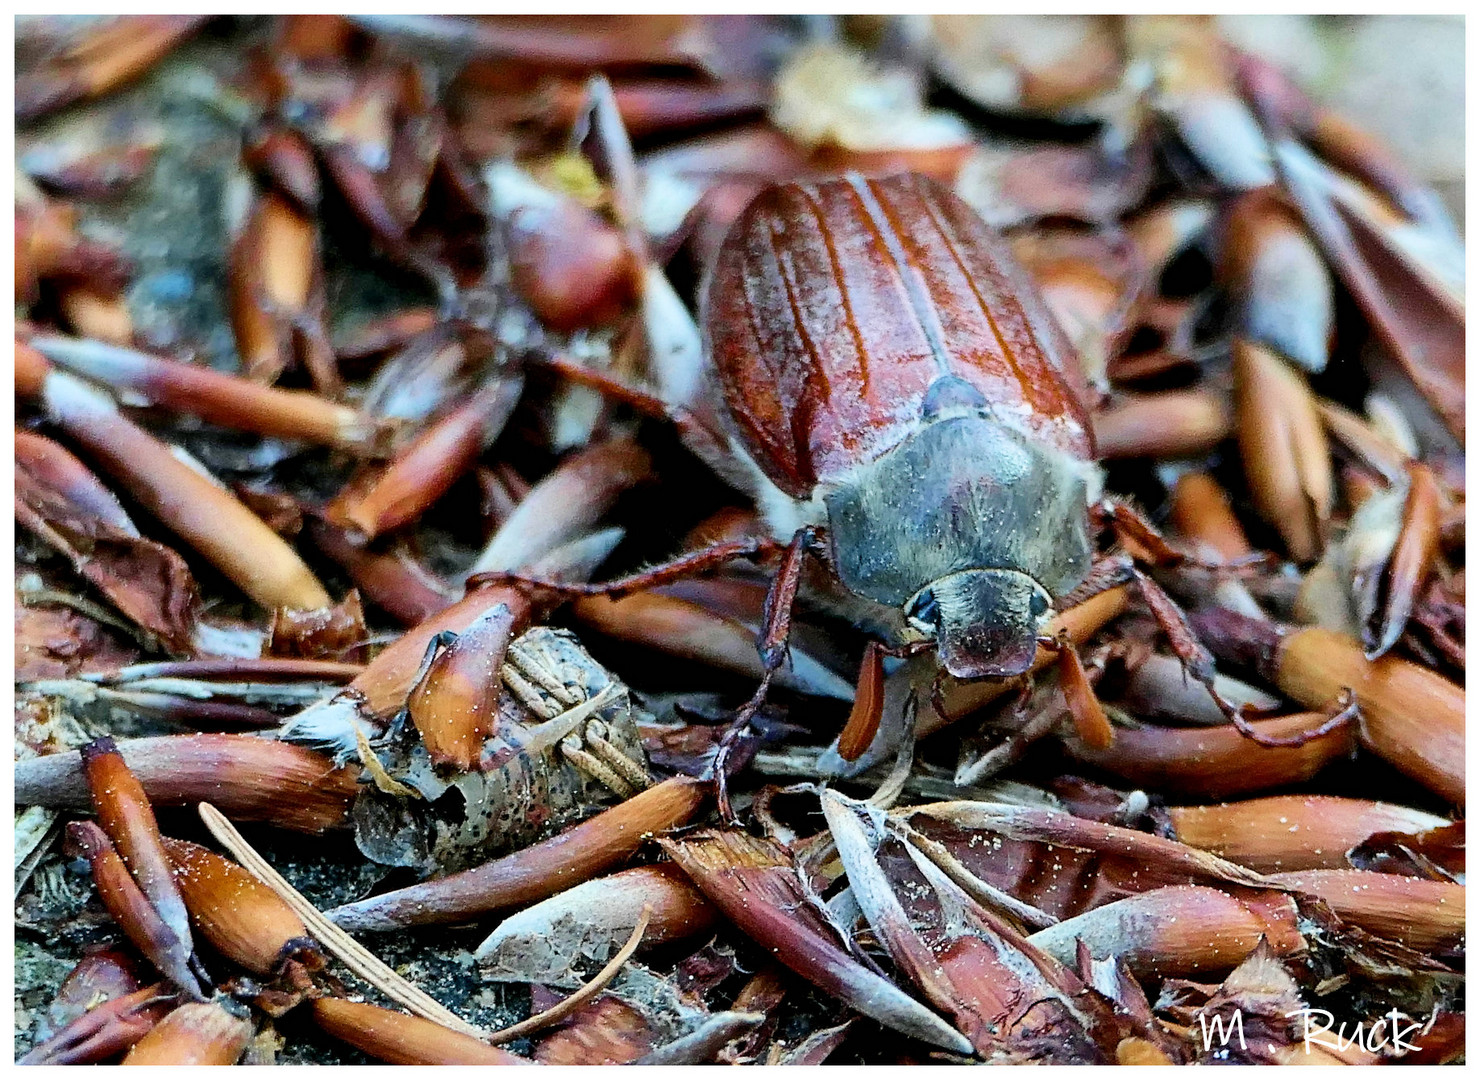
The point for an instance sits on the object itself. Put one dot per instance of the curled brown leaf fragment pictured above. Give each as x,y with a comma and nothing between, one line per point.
63,503
755,884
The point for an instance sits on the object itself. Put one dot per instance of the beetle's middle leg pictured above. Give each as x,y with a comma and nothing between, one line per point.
1145,538
1196,660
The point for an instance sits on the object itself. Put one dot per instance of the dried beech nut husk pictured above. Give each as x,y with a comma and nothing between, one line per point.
455,706
1216,762
1425,915
131,909
217,398
1283,444
1293,832
580,852
399,1039
242,918
196,1033
1179,930
250,778
124,813
422,472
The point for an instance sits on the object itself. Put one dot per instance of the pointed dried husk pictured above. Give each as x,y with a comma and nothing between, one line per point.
390,579
755,884
539,871
545,942
1416,319
1154,854
1138,1051
56,469
124,813
700,1046
206,515
888,918
1293,832
1410,565
1282,284
1172,423
565,504
680,627
1283,444
572,267
213,396
131,909
1425,915
274,262
1201,511
384,684
868,706
400,1039
1411,716
197,1033
250,778
242,918
422,472
455,706
1158,690
1179,930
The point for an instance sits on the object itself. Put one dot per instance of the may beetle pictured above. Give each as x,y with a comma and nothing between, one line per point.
897,383
885,381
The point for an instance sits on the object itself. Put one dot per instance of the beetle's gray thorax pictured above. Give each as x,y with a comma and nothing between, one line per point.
965,493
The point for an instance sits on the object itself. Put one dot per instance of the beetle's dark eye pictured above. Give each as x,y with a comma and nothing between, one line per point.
1038,604
925,610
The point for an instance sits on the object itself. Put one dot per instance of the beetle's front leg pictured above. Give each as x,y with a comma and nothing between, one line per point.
772,646
552,592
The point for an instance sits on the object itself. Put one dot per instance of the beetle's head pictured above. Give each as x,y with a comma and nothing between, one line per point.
970,528
985,622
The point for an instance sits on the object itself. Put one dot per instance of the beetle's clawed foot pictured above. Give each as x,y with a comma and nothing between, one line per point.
1340,713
